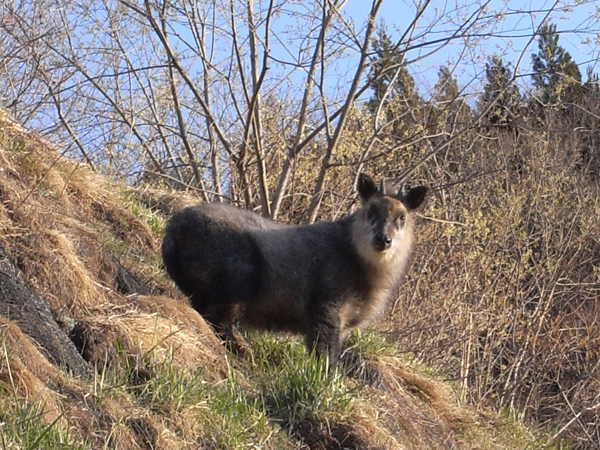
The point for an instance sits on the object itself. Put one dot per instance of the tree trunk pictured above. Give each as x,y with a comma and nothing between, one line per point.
33,316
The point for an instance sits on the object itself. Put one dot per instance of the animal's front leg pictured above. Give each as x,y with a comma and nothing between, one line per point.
324,335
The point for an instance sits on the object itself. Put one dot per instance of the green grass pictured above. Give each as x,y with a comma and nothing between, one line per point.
369,343
283,385
228,413
297,391
22,426
239,416
262,401
155,220
296,385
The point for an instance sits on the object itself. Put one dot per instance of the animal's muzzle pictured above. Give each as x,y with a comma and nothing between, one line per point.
382,242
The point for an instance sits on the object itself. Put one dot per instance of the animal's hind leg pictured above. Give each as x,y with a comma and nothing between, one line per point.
221,318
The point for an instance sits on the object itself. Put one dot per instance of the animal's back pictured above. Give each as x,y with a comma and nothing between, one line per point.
221,255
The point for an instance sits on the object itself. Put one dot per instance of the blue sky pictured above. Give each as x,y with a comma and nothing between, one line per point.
506,28
509,33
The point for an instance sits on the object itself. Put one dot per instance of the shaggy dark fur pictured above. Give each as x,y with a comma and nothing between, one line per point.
318,280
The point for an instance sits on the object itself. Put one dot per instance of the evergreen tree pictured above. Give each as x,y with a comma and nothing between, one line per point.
556,76
451,107
388,71
590,123
501,93
446,87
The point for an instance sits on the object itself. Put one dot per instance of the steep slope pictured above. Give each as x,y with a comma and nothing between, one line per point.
101,351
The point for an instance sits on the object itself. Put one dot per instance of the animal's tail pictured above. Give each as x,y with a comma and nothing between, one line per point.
170,251
176,264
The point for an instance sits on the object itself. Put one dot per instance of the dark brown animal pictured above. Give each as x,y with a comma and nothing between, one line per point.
319,280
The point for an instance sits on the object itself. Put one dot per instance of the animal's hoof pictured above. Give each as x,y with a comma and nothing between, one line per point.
239,349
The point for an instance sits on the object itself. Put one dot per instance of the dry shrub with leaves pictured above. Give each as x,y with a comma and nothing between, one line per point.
504,292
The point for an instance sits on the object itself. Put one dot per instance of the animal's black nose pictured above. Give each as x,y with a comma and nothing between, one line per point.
382,241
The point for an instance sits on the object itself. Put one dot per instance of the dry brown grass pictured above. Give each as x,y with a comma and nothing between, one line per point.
54,216
25,370
157,326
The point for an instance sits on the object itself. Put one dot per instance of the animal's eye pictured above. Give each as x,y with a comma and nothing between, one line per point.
400,219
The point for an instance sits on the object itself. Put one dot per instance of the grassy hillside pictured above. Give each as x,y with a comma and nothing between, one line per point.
156,376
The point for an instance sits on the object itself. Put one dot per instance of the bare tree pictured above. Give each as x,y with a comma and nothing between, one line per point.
235,99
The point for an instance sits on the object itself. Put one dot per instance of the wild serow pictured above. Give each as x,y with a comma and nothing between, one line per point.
320,280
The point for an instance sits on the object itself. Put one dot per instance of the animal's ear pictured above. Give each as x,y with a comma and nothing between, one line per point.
366,186
415,197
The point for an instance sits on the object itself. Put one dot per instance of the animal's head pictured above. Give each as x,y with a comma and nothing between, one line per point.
384,223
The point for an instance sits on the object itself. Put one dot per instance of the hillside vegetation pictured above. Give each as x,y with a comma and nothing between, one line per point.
152,374
493,339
